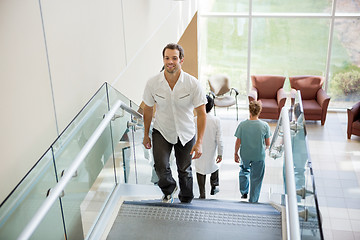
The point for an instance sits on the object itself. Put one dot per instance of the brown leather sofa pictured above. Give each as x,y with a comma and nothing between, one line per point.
314,99
269,90
353,120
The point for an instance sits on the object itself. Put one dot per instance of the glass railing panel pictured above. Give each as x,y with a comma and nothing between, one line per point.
276,151
90,187
125,165
309,214
135,164
144,160
25,200
122,135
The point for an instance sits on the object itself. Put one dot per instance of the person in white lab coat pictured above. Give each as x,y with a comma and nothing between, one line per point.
212,152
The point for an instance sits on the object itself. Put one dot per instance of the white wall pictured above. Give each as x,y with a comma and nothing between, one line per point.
88,43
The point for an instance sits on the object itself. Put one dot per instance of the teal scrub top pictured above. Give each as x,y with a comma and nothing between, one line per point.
252,134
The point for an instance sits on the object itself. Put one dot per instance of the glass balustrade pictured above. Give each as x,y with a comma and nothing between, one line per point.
309,215
18,209
310,219
109,162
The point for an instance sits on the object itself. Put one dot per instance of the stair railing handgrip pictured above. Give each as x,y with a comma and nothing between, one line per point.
290,178
60,186
131,111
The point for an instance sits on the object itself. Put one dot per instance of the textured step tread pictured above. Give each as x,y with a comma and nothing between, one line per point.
202,219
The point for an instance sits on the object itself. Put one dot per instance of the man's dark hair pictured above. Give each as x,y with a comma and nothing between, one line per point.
210,103
174,46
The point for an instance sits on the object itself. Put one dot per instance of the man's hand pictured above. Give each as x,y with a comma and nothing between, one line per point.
147,142
196,150
218,159
237,158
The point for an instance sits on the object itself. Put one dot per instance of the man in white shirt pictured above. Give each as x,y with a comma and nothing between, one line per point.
175,94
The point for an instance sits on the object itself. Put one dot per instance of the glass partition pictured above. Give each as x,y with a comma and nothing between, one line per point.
310,218
309,214
134,163
110,161
87,189
18,209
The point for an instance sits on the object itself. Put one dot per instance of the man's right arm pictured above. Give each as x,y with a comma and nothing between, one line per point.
148,114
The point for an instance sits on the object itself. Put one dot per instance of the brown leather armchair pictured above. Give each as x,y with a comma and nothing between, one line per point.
353,120
314,99
268,89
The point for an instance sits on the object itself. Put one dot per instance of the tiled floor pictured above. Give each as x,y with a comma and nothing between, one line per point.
336,165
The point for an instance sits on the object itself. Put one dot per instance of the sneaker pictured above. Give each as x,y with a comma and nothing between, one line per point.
244,196
214,190
169,198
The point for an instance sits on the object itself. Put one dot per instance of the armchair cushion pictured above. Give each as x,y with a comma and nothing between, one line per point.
269,106
311,107
269,90
267,86
308,85
224,101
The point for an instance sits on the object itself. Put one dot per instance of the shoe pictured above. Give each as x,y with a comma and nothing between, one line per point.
214,190
244,196
186,200
169,198
201,197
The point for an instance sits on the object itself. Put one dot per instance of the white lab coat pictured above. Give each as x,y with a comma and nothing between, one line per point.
212,141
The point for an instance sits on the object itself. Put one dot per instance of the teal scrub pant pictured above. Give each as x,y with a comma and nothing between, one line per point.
253,170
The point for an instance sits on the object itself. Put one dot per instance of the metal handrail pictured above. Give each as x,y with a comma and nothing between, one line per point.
60,186
292,208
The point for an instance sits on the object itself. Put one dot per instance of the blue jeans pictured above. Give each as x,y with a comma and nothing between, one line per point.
255,171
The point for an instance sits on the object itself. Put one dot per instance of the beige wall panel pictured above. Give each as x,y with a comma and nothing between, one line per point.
27,122
86,48
189,42
148,60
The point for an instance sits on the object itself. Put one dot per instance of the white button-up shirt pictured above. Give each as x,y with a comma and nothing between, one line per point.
174,115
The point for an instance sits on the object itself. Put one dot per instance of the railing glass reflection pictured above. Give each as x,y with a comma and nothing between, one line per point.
310,218
309,214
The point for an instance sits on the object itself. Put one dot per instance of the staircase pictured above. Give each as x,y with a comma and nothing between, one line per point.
201,219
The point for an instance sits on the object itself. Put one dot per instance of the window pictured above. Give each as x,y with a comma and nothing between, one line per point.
288,37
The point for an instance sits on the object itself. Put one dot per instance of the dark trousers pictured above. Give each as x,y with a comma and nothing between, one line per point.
161,151
201,179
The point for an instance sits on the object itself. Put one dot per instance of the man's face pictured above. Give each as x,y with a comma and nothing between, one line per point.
172,62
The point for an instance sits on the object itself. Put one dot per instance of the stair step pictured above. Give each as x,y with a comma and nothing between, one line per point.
201,219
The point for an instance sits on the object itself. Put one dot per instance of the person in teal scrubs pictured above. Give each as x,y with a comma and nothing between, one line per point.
252,138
